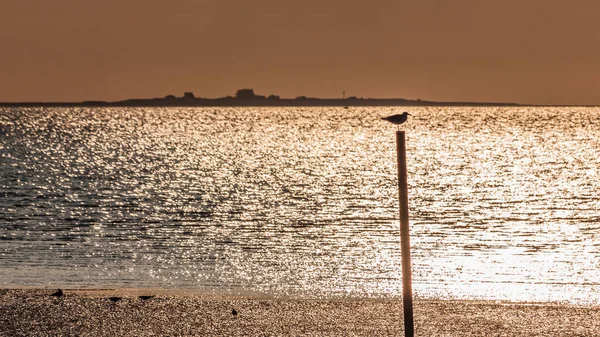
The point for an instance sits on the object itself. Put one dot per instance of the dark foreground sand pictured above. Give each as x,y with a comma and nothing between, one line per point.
33,312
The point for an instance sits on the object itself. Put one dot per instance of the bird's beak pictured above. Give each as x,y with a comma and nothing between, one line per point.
409,114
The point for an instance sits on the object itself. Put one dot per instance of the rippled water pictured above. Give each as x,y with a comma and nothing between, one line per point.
302,202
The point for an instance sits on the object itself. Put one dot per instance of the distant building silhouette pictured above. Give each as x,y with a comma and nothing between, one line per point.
188,95
245,93
248,94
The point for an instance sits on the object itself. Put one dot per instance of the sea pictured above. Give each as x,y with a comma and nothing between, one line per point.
302,202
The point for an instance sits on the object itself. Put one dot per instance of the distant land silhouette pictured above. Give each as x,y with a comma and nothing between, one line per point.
247,97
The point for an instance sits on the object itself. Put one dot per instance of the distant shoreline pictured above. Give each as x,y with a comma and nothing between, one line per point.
235,102
247,97
258,102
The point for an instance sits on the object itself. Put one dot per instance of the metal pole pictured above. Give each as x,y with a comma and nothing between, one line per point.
409,328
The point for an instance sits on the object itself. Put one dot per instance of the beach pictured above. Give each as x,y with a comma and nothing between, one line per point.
34,312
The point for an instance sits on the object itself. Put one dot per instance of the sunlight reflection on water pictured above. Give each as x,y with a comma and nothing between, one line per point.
302,202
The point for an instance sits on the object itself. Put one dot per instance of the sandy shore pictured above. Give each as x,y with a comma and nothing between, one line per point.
33,312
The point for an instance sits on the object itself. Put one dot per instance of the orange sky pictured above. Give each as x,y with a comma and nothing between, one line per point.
527,51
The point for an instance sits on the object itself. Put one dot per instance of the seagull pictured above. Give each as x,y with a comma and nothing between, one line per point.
397,119
234,312
58,293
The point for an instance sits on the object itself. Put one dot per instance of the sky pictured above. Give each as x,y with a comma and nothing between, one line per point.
523,51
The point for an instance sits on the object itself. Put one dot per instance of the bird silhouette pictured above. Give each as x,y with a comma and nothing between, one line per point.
58,293
397,119
234,312
146,297
115,299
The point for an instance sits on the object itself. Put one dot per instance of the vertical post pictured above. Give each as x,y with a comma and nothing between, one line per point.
404,236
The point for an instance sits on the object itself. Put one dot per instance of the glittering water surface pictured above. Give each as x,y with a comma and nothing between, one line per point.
302,202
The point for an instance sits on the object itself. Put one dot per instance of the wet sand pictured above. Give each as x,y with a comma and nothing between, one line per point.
33,312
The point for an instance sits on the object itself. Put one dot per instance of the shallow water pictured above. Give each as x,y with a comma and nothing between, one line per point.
302,202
